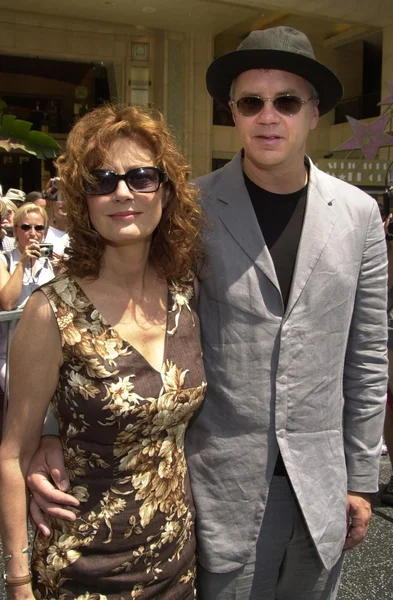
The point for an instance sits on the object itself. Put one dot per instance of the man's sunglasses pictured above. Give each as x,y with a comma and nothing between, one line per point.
288,104
142,180
26,227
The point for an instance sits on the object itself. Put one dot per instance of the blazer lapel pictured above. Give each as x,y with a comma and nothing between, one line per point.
318,224
237,213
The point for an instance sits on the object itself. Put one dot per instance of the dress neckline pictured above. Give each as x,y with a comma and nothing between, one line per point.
110,327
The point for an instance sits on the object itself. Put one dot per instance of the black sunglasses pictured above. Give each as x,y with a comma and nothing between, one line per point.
288,104
26,227
142,180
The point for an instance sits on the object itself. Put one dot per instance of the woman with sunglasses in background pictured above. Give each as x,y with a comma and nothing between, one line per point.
22,270
113,344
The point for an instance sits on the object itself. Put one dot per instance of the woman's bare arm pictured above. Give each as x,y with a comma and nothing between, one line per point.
36,357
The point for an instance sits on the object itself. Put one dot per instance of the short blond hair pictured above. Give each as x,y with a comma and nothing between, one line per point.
26,209
10,205
3,210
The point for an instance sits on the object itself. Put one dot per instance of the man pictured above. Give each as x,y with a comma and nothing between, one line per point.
57,215
36,198
293,311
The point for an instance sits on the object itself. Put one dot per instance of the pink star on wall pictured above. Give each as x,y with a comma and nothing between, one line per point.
368,137
389,99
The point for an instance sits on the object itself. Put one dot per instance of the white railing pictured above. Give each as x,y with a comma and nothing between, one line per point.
8,316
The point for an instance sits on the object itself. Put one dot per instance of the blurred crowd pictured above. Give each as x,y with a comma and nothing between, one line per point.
33,240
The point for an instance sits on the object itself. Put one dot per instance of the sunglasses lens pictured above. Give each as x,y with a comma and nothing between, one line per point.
26,227
249,106
104,183
287,105
143,180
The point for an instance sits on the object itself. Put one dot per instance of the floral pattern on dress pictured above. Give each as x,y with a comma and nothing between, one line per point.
122,427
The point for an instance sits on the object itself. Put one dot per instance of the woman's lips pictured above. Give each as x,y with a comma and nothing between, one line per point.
125,216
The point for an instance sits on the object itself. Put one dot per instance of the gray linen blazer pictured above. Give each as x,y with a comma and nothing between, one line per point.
310,380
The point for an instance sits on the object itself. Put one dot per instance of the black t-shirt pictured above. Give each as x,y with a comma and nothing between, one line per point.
280,217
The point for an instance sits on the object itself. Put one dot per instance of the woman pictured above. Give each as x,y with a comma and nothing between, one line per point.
6,241
115,342
22,270
8,220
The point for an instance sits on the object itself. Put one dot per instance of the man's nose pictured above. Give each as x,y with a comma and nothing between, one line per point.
268,113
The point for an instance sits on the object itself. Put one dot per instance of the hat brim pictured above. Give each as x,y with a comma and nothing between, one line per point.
227,67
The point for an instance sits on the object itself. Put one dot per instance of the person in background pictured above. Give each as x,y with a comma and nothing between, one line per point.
22,269
57,215
8,220
36,198
386,494
6,242
114,344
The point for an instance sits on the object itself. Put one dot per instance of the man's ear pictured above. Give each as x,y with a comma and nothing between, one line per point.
315,113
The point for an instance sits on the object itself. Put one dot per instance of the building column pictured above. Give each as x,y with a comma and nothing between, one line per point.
186,104
199,106
387,76
387,59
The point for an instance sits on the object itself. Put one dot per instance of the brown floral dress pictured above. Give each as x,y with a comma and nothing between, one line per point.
122,426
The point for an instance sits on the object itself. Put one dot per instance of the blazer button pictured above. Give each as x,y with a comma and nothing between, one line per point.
283,379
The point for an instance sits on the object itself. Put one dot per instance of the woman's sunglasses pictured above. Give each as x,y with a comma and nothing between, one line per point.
26,227
142,180
288,104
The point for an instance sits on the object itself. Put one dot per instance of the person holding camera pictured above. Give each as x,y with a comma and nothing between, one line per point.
57,217
23,269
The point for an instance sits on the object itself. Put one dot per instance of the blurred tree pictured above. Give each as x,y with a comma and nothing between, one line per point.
17,134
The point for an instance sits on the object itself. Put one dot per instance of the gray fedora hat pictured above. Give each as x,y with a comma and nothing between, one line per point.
281,48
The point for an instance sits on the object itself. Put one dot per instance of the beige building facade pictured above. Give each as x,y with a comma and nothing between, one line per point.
159,58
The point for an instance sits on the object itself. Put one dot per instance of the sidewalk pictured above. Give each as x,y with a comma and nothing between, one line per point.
368,570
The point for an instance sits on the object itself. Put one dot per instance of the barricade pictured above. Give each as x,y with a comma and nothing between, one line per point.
7,316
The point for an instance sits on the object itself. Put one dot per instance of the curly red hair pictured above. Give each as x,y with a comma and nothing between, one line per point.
176,244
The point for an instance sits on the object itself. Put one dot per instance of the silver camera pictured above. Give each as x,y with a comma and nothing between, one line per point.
46,250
